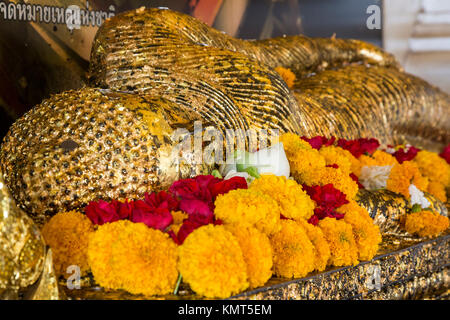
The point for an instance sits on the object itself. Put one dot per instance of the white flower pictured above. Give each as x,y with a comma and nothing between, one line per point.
417,197
271,160
374,177
268,160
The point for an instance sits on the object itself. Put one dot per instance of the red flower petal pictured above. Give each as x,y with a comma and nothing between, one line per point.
318,141
446,154
225,186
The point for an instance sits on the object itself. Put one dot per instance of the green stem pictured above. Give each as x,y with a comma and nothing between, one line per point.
175,292
216,174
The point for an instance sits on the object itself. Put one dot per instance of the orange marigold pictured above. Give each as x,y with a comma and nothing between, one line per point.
67,234
293,201
212,263
336,155
248,207
257,253
367,234
425,223
378,158
133,257
293,252
437,189
432,166
321,246
403,175
287,75
339,235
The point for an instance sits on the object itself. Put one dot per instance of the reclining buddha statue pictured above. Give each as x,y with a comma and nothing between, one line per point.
153,71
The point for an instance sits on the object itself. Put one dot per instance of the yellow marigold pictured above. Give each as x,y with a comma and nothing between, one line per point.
403,175
339,179
293,201
339,235
257,253
367,234
292,143
437,189
432,166
68,235
322,249
425,223
293,252
133,257
211,262
246,207
287,75
334,155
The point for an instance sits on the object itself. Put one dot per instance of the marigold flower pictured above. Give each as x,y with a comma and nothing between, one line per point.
293,201
433,167
212,263
367,234
403,175
293,253
246,208
133,257
67,234
336,155
339,179
292,143
437,189
339,235
257,252
287,75
425,223
321,246
378,158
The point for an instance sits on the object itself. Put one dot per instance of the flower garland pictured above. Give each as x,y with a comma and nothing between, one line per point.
222,236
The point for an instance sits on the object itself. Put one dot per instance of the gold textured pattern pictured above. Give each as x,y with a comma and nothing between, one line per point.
80,146
22,248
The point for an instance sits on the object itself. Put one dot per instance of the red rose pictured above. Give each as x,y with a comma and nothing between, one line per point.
313,220
197,188
198,210
401,155
157,218
186,228
446,154
123,209
359,147
327,195
102,212
369,145
318,141
162,200
225,186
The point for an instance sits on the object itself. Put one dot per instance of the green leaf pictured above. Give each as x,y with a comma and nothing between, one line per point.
252,171
416,208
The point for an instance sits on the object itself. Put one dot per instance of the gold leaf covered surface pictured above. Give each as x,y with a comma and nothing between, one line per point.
89,144
22,248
